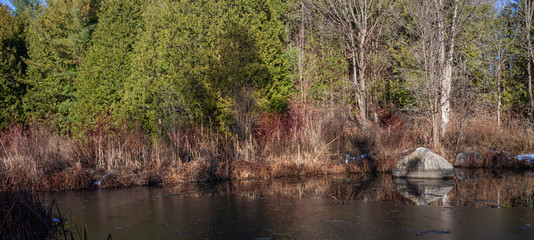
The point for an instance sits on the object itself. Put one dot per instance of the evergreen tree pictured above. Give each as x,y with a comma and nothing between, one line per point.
107,65
168,80
31,7
57,42
200,60
12,67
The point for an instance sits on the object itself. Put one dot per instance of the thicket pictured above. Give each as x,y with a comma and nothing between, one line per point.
120,92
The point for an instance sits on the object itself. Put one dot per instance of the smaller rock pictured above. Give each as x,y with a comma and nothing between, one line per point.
467,158
423,163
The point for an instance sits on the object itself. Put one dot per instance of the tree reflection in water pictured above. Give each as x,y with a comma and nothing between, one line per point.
375,206
472,188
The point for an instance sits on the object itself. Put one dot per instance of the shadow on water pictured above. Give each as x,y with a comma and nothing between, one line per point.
333,207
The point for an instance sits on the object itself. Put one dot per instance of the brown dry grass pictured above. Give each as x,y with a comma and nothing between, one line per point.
497,144
306,141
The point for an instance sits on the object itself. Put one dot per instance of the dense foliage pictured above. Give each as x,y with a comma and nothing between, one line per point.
159,64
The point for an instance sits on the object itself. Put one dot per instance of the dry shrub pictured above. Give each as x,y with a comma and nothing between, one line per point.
74,177
395,136
36,159
512,136
243,170
497,144
305,141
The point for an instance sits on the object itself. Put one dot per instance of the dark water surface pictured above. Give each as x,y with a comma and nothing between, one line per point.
476,205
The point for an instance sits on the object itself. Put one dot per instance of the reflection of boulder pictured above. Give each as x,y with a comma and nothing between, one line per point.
424,192
467,158
422,163
469,173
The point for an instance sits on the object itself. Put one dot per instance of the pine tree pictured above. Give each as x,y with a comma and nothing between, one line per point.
30,7
12,67
57,42
107,65
208,60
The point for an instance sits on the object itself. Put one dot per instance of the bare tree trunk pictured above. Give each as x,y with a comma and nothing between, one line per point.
356,22
528,22
528,11
499,96
362,103
358,93
435,130
446,60
301,54
497,69
531,110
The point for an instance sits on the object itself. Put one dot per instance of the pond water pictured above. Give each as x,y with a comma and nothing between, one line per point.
476,205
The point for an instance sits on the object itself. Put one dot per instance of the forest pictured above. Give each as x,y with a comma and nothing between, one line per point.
110,93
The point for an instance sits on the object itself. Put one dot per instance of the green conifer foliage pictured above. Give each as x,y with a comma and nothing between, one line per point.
12,67
207,60
107,64
57,42
30,7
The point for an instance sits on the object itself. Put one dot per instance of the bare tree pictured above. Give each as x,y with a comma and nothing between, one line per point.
498,47
447,32
356,22
435,26
424,77
527,11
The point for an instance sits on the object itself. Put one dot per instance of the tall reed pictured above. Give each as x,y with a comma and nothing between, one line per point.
306,140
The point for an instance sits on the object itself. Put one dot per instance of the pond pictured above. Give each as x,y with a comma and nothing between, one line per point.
475,205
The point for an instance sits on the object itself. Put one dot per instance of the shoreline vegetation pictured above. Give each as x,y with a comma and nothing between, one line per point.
119,93
23,215
116,93
305,142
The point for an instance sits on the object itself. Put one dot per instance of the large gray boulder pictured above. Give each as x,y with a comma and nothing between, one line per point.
423,163
467,158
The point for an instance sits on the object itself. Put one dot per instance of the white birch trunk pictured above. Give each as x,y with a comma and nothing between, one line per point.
528,23
446,59
362,103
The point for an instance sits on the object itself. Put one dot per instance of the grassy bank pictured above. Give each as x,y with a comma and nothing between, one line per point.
304,142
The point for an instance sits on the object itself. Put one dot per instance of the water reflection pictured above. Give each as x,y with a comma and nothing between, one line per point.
424,192
370,207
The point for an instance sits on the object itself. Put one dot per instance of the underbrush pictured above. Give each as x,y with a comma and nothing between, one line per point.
306,141
498,145
303,142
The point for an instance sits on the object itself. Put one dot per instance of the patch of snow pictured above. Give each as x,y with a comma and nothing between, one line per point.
527,157
421,148
353,158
